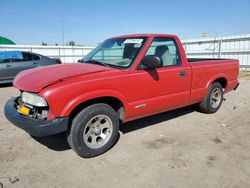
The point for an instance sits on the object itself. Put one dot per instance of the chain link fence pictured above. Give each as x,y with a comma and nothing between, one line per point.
232,47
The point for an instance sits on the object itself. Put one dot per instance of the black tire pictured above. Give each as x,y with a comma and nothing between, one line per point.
206,104
83,122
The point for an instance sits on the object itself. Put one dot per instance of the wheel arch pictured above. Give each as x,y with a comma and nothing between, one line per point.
222,81
221,78
114,99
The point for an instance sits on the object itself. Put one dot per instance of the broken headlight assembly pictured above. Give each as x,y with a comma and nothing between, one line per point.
32,105
33,99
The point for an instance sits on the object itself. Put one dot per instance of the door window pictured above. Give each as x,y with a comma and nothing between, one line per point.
27,56
10,56
35,57
166,49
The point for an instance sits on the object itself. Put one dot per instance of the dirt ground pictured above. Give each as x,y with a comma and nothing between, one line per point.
181,148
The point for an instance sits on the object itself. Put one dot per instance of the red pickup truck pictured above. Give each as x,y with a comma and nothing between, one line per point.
124,78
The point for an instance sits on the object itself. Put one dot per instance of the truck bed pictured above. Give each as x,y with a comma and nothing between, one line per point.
206,70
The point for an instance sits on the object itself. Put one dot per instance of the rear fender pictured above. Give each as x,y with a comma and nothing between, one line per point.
215,77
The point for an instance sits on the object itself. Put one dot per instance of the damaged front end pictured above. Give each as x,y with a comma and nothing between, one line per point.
32,105
33,116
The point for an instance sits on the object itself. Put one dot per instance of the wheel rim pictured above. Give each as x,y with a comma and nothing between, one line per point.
98,131
215,98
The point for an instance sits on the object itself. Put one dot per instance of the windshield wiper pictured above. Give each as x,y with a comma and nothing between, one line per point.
81,61
97,62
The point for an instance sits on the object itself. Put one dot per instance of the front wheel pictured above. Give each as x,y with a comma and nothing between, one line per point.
213,100
94,130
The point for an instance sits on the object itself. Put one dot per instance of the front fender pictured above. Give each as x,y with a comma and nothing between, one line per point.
73,103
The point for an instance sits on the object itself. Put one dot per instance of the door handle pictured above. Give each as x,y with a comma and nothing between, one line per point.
8,65
35,63
183,73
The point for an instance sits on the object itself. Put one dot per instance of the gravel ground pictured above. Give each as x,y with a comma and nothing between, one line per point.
181,148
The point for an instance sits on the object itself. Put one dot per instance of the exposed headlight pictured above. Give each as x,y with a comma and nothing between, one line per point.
33,99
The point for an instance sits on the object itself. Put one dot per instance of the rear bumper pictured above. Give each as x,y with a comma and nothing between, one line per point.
35,127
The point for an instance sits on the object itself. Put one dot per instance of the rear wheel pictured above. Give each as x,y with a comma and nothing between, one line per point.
94,130
213,100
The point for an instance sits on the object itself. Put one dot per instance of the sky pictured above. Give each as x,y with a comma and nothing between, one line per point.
88,22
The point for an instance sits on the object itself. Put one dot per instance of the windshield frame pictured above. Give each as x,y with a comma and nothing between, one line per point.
90,55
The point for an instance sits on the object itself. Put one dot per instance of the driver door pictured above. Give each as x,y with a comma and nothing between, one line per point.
163,88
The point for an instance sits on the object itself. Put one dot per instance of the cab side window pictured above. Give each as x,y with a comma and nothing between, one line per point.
166,49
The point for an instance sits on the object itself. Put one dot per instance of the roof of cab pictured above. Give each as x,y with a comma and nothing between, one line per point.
145,35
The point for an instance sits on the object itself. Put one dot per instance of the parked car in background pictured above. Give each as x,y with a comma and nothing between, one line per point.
13,62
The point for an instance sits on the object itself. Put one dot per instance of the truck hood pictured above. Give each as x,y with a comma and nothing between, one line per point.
34,80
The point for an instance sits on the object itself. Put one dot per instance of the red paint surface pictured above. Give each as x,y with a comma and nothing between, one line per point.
68,85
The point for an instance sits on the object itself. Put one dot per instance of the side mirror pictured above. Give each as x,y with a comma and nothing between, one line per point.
151,62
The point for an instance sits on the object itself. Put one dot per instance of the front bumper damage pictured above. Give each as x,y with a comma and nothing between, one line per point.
34,127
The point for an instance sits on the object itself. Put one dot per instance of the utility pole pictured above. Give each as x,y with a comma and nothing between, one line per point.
62,32
63,40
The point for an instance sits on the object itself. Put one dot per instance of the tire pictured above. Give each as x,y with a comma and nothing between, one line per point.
213,100
94,130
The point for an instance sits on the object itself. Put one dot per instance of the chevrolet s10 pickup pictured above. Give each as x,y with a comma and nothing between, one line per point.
124,78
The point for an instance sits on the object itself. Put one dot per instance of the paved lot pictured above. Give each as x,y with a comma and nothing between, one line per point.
182,148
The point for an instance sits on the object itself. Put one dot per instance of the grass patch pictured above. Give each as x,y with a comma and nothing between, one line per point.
244,75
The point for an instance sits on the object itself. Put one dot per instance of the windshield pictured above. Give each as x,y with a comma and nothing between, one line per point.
116,52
